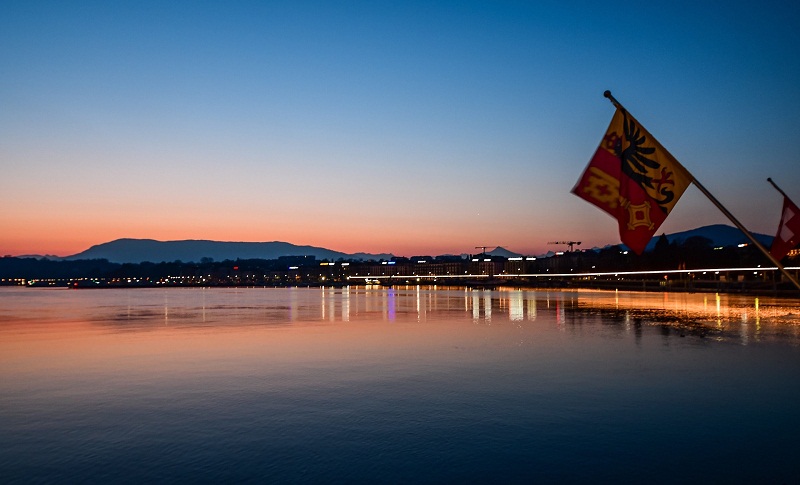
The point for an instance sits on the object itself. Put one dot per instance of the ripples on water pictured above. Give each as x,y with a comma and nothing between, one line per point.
396,385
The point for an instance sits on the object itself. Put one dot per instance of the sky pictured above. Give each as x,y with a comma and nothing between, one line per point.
412,128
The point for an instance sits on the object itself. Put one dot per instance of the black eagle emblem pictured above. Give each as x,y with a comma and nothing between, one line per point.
637,164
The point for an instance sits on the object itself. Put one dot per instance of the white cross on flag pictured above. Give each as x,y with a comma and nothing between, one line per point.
788,236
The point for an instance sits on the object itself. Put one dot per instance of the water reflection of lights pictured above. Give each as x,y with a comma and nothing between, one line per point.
322,306
480,303
732,315
515,308
418,303
293,304
391,304
532,309
729,313
476,307
332,304
346,307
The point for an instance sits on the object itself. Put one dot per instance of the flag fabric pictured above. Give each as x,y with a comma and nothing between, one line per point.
634,179
788,236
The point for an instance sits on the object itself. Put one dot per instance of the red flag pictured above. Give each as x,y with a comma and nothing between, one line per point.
634,179
788,236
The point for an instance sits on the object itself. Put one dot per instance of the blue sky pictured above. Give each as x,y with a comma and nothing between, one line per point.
410,127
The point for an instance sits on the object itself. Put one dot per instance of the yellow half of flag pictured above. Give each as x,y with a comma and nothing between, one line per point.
645,162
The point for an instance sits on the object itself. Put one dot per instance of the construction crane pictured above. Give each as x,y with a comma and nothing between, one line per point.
483,248
568,243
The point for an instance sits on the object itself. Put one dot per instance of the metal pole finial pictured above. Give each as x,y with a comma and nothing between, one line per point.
611,98
769,179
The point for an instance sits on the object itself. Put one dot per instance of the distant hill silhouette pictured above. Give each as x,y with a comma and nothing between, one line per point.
140,250
719,234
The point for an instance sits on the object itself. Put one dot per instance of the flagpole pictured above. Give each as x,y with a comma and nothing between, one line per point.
613,100
747,233
777,188
725,211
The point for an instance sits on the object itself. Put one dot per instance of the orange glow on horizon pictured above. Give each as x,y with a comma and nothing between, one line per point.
71,229
51,238
402,245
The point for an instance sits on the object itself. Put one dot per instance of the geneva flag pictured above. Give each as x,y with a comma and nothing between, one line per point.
788,236
634,179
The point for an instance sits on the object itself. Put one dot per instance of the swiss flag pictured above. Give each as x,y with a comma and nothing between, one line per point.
788,236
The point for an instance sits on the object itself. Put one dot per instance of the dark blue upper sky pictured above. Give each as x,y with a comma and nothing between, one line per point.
405,127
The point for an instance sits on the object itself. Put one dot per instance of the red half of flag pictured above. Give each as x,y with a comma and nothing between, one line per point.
788,236
604,185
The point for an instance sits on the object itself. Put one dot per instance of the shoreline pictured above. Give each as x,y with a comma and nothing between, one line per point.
782,289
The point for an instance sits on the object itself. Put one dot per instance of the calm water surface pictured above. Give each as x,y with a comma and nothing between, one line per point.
412,384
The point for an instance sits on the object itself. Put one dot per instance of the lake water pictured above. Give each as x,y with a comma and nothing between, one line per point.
398,385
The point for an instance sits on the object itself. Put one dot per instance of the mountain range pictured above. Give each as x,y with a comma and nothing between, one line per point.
720,235
140,250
